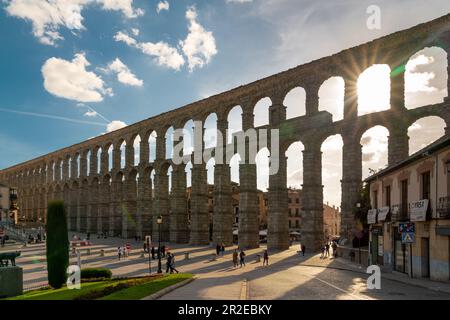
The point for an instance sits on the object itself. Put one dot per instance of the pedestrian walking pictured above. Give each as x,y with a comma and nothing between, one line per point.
235,258
327,249
242,258
334,246
168,262
222,248
322,250
303,250
172,264
163,251
266,258
217,249
119,252
153,252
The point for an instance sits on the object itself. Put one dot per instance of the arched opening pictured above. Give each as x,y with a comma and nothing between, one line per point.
331,97
152,182
188,138
294,156
295,103
210,131
234,122
332,169
169,175
88,163
152,146
123,147
374,89
169,143
210,170
374,150
110,157
261,112
99,159
137,150
262,169
234,168
426,78
188,170
425,131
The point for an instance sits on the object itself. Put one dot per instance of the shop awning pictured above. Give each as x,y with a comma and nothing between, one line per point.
418,211
372,216
382,213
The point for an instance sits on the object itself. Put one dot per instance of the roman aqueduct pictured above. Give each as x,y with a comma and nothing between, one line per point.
124,200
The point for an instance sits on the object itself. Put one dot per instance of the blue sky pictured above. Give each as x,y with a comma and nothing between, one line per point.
240,41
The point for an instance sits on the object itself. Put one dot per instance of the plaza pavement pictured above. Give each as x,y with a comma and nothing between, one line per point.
288,276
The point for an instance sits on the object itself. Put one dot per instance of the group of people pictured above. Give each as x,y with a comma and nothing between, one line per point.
239,258
325,250
220,249
170,263
123,251
155,251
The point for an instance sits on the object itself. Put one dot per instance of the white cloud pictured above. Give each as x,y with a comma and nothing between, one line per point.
47,17
91,113
162,5
416,81
71,80
135,31
199,45
124,75
115,125
164,54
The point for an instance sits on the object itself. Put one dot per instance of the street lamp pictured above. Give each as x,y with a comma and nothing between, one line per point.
159,222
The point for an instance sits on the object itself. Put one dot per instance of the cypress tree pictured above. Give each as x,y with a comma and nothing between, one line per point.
57,244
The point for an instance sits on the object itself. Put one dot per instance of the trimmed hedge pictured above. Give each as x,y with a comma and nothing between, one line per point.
96,273
57,244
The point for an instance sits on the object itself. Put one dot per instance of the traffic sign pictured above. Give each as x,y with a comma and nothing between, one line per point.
406,227
407,237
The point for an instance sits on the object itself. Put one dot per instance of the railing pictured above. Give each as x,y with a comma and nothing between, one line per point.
443,207
399,213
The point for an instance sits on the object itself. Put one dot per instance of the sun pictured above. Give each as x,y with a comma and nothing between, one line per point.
374,89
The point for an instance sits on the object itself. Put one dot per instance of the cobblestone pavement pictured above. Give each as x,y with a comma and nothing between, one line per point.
289,275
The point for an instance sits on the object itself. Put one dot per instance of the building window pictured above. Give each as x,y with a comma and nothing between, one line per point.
289,223
290,212
426,185
297,200
290,200
297,225
375,199
388,196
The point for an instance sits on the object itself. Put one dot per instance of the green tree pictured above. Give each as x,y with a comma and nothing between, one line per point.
57,244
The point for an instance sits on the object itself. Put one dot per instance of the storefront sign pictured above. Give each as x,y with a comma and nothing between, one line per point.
382,213
372,216
418,211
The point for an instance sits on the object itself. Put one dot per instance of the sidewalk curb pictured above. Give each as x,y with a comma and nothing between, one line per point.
165,291
384,275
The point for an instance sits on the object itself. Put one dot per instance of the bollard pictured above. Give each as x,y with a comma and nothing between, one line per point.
186,256
102,253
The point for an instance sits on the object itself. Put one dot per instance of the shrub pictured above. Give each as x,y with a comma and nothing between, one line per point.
57,244
96,273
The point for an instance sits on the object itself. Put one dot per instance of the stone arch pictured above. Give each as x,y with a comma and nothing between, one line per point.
374,142
331,97
294,166
136,140
295,102
122,145
210,131
262,161
188,137
234,167
210,170
426,77
169,142
152,146
374,89
261,112
424,131
332,158
234,118
109,147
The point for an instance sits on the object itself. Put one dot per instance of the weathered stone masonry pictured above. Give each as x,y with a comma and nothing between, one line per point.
123,202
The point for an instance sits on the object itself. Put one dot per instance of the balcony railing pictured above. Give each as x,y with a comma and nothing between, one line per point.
399,213
443,207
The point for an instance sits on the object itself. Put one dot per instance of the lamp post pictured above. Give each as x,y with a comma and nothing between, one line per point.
159,222
40,228
149,256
